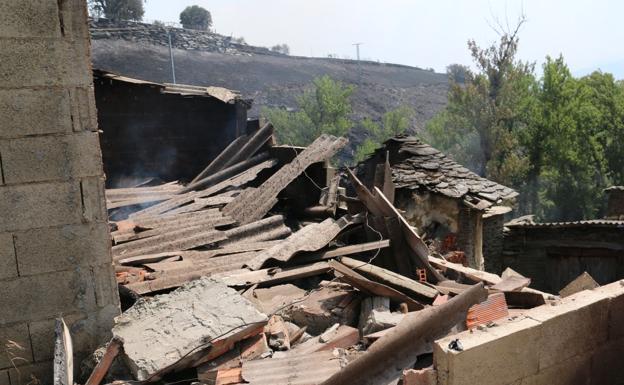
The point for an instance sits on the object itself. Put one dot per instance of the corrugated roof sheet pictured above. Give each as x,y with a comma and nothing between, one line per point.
306,369
417,165
223,94
586,223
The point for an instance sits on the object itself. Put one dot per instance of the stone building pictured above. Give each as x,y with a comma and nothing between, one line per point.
55,256
164,131
444,200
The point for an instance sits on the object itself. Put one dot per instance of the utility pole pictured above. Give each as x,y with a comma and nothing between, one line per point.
171,56
357,49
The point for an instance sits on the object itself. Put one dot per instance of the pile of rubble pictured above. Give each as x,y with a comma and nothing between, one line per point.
273,268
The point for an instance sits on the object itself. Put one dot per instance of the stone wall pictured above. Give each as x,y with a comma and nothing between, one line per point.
54,244
187,39
493,242
578,340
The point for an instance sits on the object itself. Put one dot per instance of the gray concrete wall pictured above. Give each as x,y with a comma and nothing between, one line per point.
578,340
54,244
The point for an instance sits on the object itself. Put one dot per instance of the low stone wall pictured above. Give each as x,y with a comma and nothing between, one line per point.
578,340
187,39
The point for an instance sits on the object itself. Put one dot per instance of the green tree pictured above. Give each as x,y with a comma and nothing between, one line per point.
118,9
393,122
324,108
196,17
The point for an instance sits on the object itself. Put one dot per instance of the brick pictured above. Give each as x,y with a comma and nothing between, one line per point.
39,373
15,345
572,371
29,19
93,199
34,112
566,326
36,205
47,158
32,62
37,297
606,364
62,248
8,267
498,355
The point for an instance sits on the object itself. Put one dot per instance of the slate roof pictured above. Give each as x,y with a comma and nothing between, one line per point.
416,165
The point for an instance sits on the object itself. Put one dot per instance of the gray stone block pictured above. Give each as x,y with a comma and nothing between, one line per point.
93,199
62,248
38,205
8,267
48,158
34,112
15,345
158,332
29,19
32,62
38,297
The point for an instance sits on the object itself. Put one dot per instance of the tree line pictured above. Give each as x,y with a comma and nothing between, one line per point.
556,138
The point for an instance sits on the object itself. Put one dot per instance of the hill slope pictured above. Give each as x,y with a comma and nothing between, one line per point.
273,79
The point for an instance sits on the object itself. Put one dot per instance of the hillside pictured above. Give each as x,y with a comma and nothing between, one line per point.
270,79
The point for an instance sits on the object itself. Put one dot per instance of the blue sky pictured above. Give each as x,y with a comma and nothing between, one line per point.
421,33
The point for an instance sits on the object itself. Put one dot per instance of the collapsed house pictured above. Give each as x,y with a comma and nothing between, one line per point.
164,131
448,203
261,270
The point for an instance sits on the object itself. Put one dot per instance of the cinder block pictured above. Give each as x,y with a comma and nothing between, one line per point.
83,109
32,62
74,13
615,291
39,373
81,330
29,19
62,248
15,345
606,364
579,323
4,377
37,297
93,199
30,206
498,355
572,371
106,292
8,267
47,158
34,112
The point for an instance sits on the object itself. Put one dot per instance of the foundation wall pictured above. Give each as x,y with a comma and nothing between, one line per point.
54,244
579,340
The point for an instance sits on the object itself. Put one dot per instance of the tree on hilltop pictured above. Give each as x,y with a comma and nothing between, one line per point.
196,17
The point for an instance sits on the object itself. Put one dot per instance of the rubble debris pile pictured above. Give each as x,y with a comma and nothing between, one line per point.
263,270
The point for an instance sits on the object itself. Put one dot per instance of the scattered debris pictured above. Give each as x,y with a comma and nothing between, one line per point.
582,282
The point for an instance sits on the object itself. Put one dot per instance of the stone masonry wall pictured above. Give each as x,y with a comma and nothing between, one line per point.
577,341
54,244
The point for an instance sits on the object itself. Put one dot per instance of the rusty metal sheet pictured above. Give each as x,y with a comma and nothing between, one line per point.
308,369
253,203
310,238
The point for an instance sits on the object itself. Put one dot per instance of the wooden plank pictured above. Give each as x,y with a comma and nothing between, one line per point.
364,195
100,370
473,274
416,244
388,277
372,287
253,203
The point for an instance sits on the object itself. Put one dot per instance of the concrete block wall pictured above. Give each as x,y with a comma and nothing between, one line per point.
54,244
578,340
